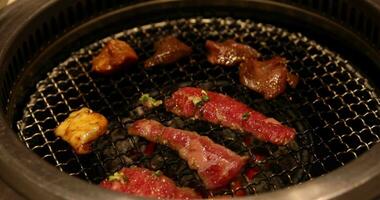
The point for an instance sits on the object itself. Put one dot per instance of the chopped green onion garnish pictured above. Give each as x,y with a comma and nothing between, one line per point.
245,116
149,102
117,176
144,98
196,100
156,103
158,173
204,96
199,101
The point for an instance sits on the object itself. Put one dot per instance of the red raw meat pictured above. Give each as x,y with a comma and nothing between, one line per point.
143,182
215,164
226,111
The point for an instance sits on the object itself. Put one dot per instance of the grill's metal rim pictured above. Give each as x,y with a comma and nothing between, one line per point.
41,180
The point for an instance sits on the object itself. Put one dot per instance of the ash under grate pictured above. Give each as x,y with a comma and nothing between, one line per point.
334,109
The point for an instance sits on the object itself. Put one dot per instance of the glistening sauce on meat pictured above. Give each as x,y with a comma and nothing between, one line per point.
268,78
145,183
115,56
220,109
168,50
81,128
229,53
215,164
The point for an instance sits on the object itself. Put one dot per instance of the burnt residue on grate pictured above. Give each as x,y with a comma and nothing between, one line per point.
334,109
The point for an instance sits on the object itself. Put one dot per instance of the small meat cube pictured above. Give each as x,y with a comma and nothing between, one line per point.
215,164
229,53
168,50
115,56
145,183
268,78
81,128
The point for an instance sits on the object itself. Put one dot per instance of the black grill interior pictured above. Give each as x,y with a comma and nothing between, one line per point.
334,109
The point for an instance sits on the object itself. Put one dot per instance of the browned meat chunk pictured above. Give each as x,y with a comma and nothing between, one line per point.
115,56
81,128
229,53
168,50
268,78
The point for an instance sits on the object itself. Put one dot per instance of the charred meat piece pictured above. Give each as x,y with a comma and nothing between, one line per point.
229,53
145,183
115,56
81,128
215,164
168,50
268,78
226,111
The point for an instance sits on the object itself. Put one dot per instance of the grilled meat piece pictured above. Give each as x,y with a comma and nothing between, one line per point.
268,78
115,56
229,53
226,111
215,164
145,183
168,50
81,128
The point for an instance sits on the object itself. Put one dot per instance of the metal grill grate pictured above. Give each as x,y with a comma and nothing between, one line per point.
334,109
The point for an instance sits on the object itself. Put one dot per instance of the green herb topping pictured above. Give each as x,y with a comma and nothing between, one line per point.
200,101
245,116
197,101
149,102
118,176
204,96
158,173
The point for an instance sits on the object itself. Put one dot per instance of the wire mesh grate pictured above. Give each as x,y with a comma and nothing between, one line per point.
334,109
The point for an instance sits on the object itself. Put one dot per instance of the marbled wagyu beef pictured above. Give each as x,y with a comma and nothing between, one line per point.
215,164
145,183
220,109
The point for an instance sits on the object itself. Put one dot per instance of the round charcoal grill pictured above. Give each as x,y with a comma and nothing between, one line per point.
335,108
